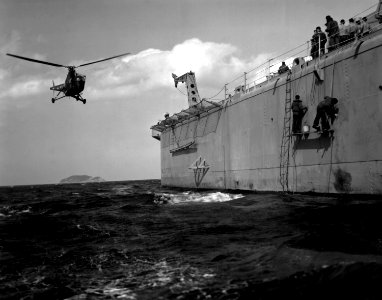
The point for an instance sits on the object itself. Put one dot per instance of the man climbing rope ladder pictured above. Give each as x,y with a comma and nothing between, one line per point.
299,111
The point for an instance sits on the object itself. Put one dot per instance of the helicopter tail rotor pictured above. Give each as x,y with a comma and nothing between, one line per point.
56,88
53,98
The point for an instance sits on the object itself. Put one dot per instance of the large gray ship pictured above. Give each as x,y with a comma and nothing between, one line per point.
246,141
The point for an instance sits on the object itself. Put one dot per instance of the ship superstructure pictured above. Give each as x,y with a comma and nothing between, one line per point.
245,141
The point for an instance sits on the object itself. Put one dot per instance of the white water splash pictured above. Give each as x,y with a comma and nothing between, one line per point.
8,211
119,293
189,197
111,291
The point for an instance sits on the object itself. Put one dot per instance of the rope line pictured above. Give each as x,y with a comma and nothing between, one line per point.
366,10
210,98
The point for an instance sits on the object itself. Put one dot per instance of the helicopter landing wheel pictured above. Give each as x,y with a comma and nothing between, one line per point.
84,101
53,100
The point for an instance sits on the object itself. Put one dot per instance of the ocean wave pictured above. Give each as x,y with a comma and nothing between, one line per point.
123,190
139,240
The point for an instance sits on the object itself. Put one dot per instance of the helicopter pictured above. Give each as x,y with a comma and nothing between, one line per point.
74,82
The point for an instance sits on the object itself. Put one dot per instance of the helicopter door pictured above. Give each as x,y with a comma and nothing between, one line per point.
80,80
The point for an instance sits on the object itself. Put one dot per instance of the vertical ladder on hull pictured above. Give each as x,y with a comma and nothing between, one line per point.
285,142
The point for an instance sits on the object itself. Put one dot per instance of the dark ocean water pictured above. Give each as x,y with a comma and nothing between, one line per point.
136,240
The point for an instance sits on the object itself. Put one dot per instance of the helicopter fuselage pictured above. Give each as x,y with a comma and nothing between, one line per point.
73,86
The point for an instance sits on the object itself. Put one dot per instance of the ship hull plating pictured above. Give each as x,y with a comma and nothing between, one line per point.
237,146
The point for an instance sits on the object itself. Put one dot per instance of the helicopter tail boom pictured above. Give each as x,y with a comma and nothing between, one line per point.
59,87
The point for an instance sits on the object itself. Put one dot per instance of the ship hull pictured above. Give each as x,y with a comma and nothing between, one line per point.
238,145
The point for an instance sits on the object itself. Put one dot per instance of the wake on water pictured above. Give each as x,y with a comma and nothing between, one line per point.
189,197
138,240
181,197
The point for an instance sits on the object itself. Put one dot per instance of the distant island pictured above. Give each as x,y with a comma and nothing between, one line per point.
81,179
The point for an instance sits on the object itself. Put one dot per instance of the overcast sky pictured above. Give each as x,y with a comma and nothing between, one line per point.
110,136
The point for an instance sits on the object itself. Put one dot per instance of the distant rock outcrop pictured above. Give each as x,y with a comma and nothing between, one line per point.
81,179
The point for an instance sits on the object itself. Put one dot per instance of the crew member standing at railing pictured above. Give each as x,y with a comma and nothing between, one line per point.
283,68
343,32
366,26
321,39
359,30
314,45
333,33
352,29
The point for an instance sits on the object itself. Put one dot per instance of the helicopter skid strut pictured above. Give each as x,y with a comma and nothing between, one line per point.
55,99
78,98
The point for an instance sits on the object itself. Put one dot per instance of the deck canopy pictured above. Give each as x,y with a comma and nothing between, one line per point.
193,111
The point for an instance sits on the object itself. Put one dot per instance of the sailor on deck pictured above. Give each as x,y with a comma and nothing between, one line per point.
333,33
352,30
283,68
320,40
314,45
366,26
344,29
360,26
325,109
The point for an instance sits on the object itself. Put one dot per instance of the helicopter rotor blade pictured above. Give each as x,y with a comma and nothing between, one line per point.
93,62
36,60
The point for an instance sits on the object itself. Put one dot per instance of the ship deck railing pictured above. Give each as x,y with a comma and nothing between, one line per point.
268,71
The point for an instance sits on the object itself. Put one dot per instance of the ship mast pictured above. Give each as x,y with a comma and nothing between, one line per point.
192,90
